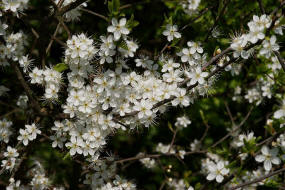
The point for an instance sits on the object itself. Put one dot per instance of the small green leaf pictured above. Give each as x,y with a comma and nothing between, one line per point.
60,67
116,5
132,23
170,126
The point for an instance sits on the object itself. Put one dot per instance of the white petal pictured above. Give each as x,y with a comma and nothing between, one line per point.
279,113
211,176
265,150
259,158
267,165
275,161
219,178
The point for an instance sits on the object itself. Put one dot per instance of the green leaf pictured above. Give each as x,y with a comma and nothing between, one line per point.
132,23
116,5
113,7
60,67
170,126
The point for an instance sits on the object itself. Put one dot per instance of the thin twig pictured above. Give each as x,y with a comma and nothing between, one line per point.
29,92
261,6
157,156
258,179
206,130
65,27
95,14
234,130
173,139
226,2
71,6
204,11
162,185
9,113
230,114
52,38
60,3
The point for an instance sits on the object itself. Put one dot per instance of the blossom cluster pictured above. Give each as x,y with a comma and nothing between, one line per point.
110,87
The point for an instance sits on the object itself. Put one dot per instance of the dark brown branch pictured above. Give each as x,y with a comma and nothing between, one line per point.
204,11
52,38
71,6
29,92
206,131
230,114
258,179
172,141
95,14
261,6
65,27
226,2
157,156
234,130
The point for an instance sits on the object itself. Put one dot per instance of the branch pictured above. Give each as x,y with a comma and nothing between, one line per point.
230,114
52,38
172,141
204,11
64,26
71,6
258,179
206,130
29,92
226,2
234,130
157,156
261,6
95,14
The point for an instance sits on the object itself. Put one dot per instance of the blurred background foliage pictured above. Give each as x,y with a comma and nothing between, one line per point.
152,15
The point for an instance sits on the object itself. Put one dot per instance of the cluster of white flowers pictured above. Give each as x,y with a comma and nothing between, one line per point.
48,77
98,102
39,180
22,101
257,32
249,176
147,162
178,184
3,28
171,31
10,155
164,149
274,65
268,157
269,46
195,145
15,6
104,177
253,95
28,134
116,97
25,63
190,6
182,122
5,130
239,141
215,167
74,14
13,49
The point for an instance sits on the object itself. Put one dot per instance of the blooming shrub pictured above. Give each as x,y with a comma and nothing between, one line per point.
115,100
